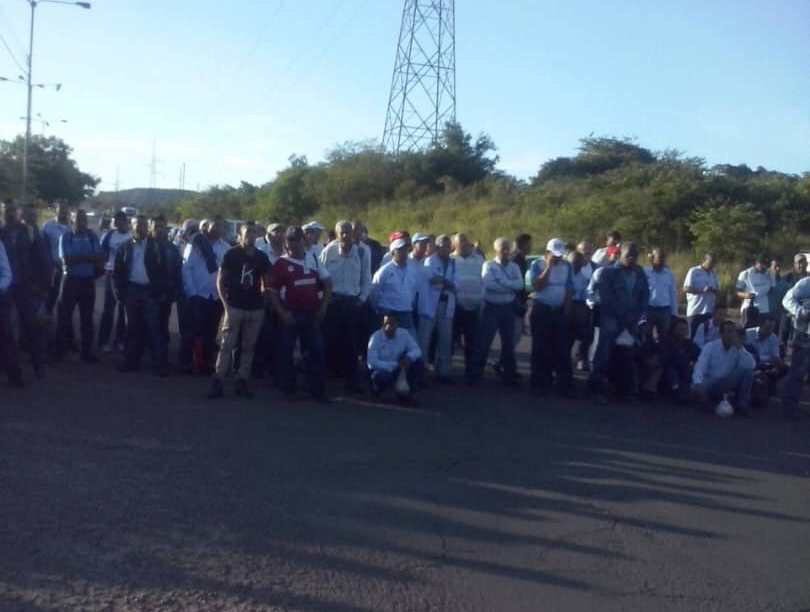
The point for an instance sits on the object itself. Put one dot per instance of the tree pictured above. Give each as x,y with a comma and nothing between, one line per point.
53,173
730,231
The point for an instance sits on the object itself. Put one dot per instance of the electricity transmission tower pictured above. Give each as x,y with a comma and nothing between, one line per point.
423,86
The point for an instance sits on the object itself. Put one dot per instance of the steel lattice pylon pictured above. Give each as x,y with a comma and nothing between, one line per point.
423,86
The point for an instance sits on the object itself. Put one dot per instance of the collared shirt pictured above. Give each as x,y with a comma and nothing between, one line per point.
53,230
662,288
767,348
760,284
197,280
501,281
432,295
717,362
384,353
395,287
112,241
137,273
592,292
351,273
560,282
264,245
5,269
83,244
298,283
580,281
797,303
698,278
469,281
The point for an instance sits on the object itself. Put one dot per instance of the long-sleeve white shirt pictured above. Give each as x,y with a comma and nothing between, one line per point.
431,295
384,353
5,269
394,287
501,281
717,362
662,288
796,299
700,280
197,280
351,274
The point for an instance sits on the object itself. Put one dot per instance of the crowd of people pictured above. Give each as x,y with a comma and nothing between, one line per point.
283,301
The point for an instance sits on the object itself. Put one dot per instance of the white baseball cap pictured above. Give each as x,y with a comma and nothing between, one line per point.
313,225
556,247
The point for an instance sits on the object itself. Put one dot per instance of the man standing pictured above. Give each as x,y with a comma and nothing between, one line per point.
52,232
623,299
754,284
502,281
395,285
243,279
390,351
797,306
663,294
9,356
343,327
83,260
552,284
437,304
201,263
141,280
173,291
300,311
110,243
725,367
701,286
272,245
469,293
312,240
791,278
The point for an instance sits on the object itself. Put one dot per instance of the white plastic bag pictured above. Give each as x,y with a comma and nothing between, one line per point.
724,409
625,339
401,386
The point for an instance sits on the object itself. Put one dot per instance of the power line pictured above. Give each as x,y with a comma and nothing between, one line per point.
11,53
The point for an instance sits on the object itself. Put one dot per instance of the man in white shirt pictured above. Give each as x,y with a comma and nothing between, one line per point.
396,284
764,346
701,286
663,294
344,324
754,284
502,281
312,237
437,304
797,305
272,245
613,243
469,294
725,367
390,351
113,310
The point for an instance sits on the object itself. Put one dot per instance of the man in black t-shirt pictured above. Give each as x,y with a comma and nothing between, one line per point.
243,278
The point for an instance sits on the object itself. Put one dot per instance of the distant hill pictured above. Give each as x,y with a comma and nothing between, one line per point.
141,198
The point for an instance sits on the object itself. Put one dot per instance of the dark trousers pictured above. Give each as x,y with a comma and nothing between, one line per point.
659,319
9,356
113,309
32,331
266,345
165,315
79,292
342,336
383,379
696,321
500,319
306,329
792,389
580,329
54,289
144,322
551,348
677,375
465,327
202,317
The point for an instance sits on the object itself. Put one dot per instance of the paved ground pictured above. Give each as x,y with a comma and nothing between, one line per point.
128,492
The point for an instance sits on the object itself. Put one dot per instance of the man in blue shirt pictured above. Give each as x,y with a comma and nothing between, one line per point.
82,262
9,357
52,231
551,283
797,304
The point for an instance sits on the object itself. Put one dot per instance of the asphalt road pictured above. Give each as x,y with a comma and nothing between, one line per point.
127,492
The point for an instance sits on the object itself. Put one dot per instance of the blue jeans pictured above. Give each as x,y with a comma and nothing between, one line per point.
306,329
143,315
500,319
609,330
792,390
444,330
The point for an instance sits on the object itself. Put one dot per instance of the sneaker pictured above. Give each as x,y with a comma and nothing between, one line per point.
216,390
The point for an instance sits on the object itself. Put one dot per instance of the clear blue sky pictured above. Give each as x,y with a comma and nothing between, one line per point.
234,88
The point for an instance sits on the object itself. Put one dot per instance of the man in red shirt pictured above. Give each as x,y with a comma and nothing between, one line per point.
306,293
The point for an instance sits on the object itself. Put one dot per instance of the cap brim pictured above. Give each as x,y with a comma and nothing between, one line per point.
398,244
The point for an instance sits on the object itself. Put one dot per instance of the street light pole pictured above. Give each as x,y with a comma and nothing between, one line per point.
28,111
27,144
